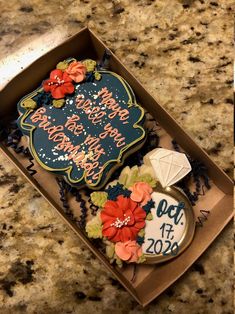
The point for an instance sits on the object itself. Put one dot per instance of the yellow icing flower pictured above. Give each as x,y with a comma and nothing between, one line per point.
62,65
58,103
89,64
99,198
29,104
94,227
97,76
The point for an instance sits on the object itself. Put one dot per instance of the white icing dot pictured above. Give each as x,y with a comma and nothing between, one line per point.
118,223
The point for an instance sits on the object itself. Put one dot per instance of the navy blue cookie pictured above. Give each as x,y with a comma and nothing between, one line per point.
98,123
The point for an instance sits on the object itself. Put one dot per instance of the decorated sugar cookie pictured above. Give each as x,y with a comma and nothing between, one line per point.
82,122
169,167
141,218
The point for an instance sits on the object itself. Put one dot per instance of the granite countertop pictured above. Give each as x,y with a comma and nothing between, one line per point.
182,52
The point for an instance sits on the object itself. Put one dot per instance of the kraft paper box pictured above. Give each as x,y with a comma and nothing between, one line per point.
150,280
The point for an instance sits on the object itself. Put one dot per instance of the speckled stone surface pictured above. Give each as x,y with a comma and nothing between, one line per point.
182,53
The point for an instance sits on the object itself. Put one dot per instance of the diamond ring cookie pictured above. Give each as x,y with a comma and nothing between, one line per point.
169,166
142,219
82,122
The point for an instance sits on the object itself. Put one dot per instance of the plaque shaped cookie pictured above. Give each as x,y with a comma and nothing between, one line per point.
82,122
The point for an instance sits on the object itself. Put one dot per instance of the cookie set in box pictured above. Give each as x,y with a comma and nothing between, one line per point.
100,149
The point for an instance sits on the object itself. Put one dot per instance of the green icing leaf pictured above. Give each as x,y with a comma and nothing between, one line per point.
141,233
58,103
149,216
94,228
110,253
133,178
112,183
29,104
122,179
62,65
148,179
110,249
99,198
124,176
118,261
129,176
141,259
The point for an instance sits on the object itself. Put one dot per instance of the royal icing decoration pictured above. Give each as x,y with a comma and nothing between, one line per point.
141,220
169,166
172,227
82,122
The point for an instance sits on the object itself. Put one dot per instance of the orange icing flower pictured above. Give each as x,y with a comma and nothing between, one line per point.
129,251
76,71
122,219
59,84
141,192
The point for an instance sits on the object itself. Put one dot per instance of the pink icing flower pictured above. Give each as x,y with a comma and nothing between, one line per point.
129,251
141,192
76,71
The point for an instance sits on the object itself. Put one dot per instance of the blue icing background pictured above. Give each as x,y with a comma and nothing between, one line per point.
56,159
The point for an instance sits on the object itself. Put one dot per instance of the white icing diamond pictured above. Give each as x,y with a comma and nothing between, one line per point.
169,166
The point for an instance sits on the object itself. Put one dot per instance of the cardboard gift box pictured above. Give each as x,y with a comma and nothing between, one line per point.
150,280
